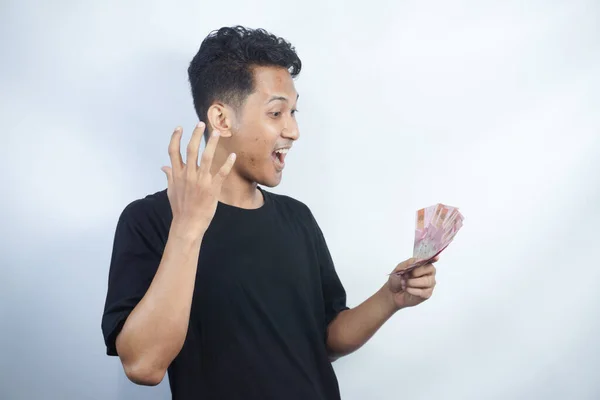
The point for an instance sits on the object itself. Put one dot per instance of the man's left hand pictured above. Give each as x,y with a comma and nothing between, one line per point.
414,287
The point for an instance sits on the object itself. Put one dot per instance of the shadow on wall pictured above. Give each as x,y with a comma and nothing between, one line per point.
149,98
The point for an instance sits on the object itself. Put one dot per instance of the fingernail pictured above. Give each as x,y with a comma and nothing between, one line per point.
200,124
232,156
215,133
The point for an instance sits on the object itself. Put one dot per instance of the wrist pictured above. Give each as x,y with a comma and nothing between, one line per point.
388,299
181,230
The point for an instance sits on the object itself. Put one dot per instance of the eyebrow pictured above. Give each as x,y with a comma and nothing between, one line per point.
282,98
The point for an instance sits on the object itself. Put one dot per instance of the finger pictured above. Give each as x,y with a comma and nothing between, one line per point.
225,169
194,146
422,293
427,269
175,151
169,173
209,152
423,282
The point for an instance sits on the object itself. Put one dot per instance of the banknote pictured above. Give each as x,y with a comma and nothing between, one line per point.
435,228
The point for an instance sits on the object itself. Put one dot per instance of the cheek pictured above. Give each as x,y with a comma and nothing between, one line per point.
259,149
255,150
259,142
247,158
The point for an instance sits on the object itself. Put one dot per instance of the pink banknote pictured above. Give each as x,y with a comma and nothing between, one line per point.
435,228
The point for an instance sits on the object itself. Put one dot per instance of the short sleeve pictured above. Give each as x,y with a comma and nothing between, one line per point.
334,294
136,254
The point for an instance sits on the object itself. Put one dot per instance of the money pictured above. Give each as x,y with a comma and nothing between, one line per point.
435,228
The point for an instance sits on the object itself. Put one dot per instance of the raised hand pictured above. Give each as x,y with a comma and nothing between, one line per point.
414,286
192,190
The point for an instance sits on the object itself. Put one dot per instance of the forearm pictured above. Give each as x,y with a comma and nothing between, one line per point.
353,328
155,330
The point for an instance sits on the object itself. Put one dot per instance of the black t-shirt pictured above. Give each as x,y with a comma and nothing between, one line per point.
265,291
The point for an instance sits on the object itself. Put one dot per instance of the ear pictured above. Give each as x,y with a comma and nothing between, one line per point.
221,118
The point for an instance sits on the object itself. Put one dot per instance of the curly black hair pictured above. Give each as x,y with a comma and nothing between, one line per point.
222,68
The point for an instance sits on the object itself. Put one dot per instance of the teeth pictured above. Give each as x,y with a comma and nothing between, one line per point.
282,151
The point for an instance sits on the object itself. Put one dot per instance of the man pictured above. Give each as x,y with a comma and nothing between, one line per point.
226,286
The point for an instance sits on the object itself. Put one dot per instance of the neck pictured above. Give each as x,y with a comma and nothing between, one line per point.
239,192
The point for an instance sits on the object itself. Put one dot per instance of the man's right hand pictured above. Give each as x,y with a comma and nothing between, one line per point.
193,192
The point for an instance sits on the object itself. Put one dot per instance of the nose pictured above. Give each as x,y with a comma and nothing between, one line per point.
291,131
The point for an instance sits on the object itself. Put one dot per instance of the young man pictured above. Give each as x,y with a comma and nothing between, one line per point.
226,286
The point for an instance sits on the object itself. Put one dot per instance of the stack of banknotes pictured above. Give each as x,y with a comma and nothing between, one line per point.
435,229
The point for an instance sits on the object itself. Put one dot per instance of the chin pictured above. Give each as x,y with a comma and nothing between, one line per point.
271,181
266,174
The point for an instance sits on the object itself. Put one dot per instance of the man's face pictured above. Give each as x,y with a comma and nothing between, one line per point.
265,127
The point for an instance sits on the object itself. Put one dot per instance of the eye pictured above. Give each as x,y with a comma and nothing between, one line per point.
276,114
294,112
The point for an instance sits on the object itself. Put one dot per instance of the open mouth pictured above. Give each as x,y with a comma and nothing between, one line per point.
279,157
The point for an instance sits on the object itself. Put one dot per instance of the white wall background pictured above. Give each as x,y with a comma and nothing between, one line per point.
490,106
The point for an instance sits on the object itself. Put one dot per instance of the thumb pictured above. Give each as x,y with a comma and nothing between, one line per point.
167,171
409,262
395,282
